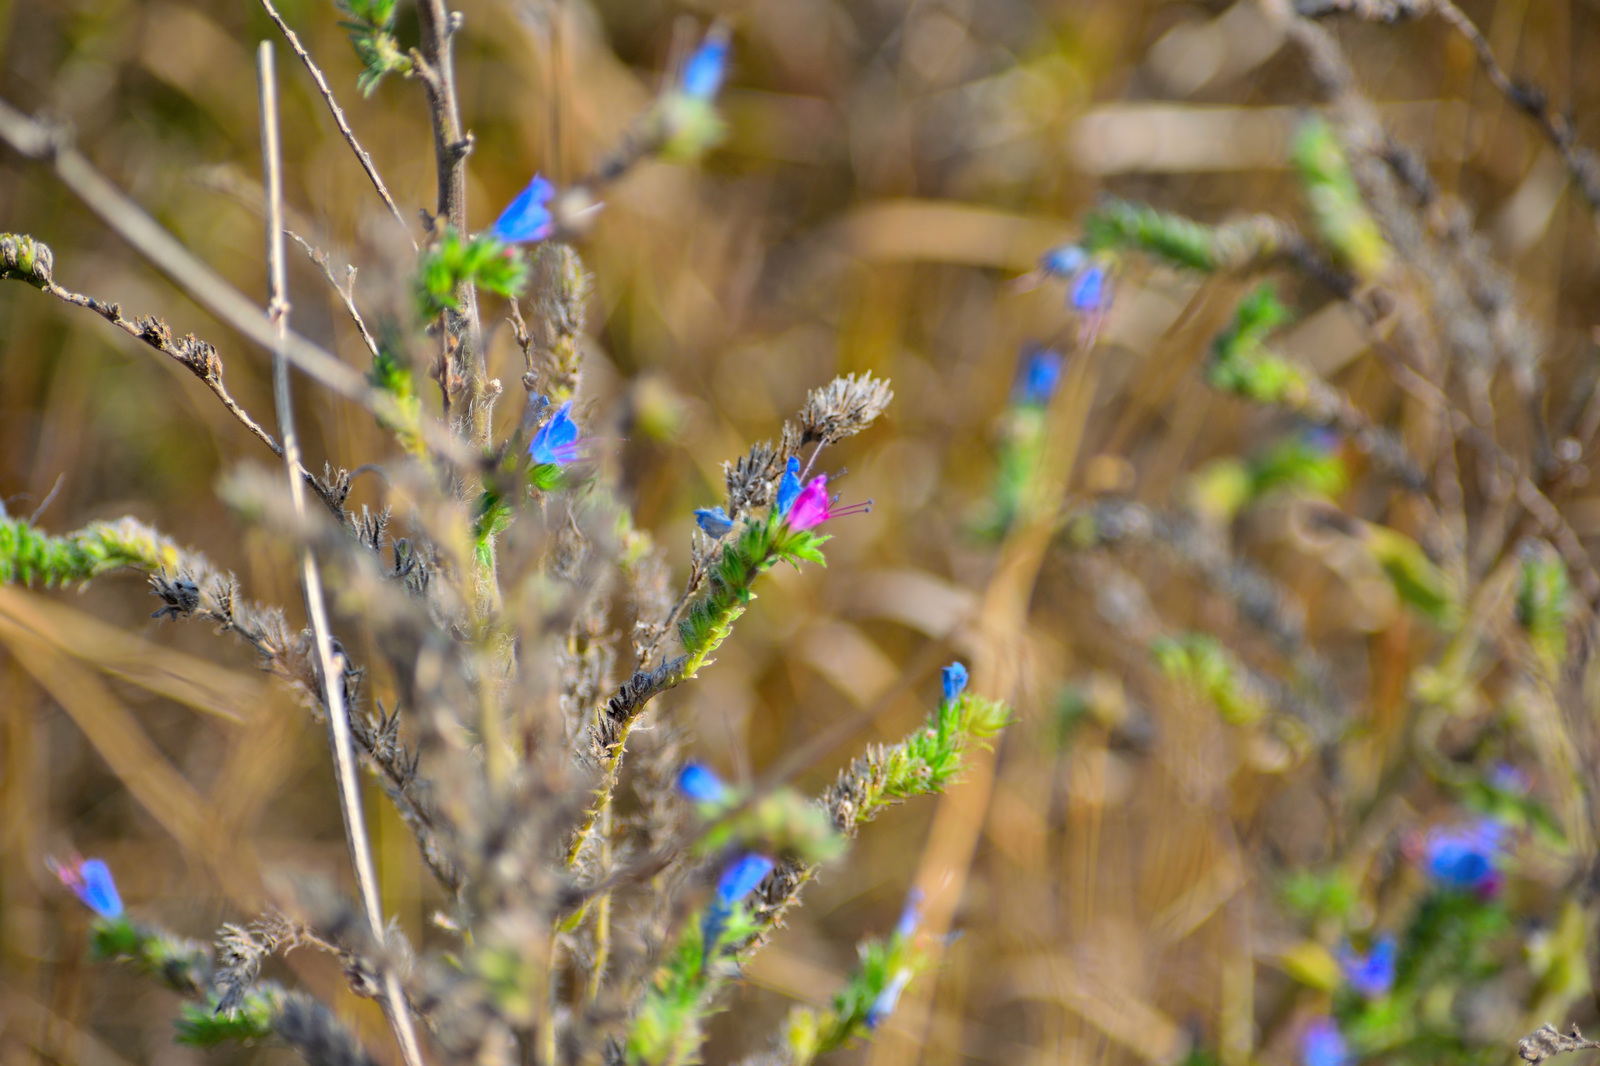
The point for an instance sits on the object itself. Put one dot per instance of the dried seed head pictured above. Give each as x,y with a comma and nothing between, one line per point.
843,408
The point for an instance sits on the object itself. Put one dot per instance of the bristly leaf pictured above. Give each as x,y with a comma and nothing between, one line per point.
392,376
370,24
453,262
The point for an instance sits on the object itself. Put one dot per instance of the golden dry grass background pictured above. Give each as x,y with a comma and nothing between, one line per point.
891,167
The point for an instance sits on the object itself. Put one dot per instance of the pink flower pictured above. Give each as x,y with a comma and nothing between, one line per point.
813,507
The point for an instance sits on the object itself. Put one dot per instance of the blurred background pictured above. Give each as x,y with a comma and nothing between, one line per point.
1117,868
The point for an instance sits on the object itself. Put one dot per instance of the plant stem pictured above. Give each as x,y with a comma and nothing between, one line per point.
330,666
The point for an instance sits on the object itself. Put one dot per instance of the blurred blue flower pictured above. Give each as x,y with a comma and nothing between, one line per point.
557,440
90,880
1324,1045
713,521
1510,779
1464,857
789,486
703,74
527,218
884,1005
1372,974
955,681
1063,261
700,784
1091,289
910,915
1039,376
741,877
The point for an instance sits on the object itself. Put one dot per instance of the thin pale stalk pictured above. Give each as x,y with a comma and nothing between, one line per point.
338,117
330,667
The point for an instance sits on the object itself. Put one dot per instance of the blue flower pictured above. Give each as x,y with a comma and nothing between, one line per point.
884,1005
738,880
700,784
1091,289
1372,974
1464,858
910,915
1063,261
91,882
789,486
714,521
955,681
703,74
1324,1045
741,878
1039,376
557,440
527,218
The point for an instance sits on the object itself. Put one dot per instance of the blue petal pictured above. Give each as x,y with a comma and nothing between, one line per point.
99,890
700,784
527,218
955,681
714,521
703,74
910,916
1089,291
1324,1045
741,878
1063,261
789,486
557,440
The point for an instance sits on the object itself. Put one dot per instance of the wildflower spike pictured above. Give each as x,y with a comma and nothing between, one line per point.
889,998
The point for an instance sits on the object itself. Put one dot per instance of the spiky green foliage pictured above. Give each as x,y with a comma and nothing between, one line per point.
1417,579
27,555
25,259
1297,465
201,1024
1021,450
923,763
182,965
810,1033
782,822
1201,662
1240,362
370,24
1116,224
759,546
669,1028
1544,605
453,261
392,376
1340,214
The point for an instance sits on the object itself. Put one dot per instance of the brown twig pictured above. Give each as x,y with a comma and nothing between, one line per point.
338,117
347,291
471,419
38,140
1524,96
